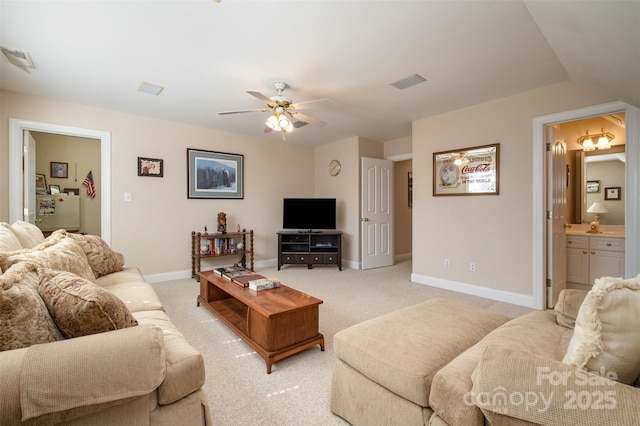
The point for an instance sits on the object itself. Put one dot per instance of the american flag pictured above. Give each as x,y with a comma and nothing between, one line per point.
88,182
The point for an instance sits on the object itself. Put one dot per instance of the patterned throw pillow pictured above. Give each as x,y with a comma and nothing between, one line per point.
80,307
101,258
56,252
24,318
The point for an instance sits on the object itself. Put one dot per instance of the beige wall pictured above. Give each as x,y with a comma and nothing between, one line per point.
344,187
82,155
493,231
153,231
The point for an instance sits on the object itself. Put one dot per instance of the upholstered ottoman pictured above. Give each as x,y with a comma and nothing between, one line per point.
385,365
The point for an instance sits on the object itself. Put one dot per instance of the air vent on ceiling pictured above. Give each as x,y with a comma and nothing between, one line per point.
412,80
150,88
19,58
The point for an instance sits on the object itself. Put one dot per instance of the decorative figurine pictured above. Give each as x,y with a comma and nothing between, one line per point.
205,229
222,222
204,247
238,228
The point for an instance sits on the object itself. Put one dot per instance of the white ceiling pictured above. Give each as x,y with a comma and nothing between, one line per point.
209,54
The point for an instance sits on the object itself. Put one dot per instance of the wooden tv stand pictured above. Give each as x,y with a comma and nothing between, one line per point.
310,248
276,323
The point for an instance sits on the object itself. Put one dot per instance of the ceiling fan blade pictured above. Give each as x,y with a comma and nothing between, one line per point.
267,129
312,104
299,124
260,96
241,111
307,119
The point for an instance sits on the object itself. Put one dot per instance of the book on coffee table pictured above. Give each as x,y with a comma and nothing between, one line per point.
243,279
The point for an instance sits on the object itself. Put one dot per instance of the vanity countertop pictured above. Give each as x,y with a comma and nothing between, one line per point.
616,231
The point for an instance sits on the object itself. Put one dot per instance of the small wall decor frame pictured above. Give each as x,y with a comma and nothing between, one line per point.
153,167
54,189
71,191
410,188
593,186
467,171
41,184
59,170
212,174
612,193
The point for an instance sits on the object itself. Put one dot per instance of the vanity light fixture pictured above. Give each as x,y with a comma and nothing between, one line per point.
604,141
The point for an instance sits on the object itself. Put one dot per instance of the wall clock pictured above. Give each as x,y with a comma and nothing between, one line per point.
334,167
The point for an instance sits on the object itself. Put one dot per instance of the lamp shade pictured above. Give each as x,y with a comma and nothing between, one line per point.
597,208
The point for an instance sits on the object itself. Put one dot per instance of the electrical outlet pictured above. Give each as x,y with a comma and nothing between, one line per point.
472,266
447,263
127,197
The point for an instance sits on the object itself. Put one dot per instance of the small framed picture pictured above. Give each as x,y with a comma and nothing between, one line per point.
59,170
612,193
41,184
593,186
54,189
71,191
153,167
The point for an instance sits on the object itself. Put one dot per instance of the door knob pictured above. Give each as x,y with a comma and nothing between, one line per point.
365,219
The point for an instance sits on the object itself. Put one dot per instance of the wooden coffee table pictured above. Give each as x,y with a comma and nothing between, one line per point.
276,323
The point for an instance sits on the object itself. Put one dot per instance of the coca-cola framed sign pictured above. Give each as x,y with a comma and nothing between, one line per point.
468,171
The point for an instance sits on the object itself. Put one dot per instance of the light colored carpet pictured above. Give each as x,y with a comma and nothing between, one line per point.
297,391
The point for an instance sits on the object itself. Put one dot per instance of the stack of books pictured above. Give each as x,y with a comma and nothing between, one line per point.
240,275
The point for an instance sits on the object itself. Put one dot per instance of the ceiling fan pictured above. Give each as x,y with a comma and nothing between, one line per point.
286,114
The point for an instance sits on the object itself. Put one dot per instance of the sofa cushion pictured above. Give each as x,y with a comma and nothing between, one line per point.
130,287
402,350
568,306
536,332
80,307
184,365
108,368
28,234
24,319
59,253
8,240
607,331
102,259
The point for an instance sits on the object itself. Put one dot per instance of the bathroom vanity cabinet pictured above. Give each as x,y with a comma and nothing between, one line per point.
593,256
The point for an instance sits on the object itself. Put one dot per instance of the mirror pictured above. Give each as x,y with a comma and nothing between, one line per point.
598,175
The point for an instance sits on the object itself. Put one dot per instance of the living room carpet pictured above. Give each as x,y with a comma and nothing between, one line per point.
297,391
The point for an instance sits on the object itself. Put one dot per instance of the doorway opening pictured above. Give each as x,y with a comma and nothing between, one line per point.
17,130
632,201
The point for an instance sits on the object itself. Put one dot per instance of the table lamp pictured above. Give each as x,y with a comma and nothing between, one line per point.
598,209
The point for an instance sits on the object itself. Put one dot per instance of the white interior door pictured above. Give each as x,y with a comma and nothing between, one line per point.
376,213
556,215
29,178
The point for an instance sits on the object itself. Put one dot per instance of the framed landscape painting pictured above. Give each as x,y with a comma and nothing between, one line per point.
212,174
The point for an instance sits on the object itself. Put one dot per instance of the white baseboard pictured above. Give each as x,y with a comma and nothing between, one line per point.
474,290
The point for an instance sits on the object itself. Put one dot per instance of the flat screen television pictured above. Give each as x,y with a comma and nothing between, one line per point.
309,214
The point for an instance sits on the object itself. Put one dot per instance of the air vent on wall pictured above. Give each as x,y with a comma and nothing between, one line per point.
19,58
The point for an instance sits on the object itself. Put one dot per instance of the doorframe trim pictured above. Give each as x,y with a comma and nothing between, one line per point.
632,189
16,131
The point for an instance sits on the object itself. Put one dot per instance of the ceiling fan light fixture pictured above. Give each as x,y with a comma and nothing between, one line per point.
283,121
272,123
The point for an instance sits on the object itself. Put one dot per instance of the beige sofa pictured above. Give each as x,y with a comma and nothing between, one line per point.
445,363
88,346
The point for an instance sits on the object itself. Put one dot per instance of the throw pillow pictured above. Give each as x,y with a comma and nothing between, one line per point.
568,306
80,307
607,336
58,252
24,318
28,234
8,240
101,258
